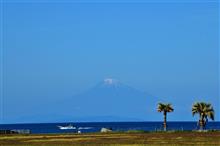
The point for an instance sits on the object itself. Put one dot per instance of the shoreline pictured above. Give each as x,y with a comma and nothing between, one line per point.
104,122
91,127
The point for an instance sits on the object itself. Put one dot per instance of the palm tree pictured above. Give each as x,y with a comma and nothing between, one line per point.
205,111
165,108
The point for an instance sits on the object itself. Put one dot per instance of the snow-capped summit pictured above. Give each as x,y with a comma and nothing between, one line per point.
110,81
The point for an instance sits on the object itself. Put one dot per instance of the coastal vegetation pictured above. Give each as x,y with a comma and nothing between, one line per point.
205,111
165,108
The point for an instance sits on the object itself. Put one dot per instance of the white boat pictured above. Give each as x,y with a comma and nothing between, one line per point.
66,127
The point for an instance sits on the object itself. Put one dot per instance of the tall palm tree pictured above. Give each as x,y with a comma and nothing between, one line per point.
165,108
205,111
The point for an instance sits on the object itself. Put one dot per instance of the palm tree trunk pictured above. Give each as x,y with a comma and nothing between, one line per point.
201,123
165,121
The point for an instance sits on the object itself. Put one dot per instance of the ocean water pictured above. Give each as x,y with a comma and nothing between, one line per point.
86,127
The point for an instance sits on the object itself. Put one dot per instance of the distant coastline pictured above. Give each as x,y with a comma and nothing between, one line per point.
38,128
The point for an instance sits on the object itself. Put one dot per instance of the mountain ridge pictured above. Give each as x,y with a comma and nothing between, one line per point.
111,97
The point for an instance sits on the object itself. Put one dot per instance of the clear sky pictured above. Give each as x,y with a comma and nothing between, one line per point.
54,50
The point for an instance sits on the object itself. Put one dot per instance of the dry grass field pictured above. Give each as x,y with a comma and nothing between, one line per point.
115,139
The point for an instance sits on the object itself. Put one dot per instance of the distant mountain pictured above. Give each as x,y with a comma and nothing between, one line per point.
110,99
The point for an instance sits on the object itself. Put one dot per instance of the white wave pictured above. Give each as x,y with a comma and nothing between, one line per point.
80,128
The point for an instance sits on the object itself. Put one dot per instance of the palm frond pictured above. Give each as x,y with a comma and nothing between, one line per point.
164,107
203,109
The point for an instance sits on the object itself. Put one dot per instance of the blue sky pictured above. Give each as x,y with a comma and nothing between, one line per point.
52,51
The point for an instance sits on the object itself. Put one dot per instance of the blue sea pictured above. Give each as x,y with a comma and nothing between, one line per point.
86,127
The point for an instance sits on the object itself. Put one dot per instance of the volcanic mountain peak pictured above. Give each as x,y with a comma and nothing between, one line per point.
110,81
